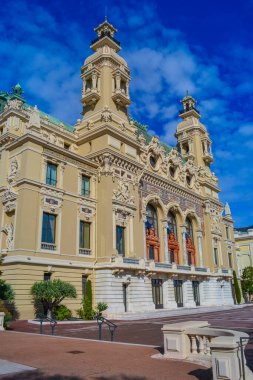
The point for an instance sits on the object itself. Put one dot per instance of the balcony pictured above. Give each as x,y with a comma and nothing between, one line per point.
48,246
121,98
85,251
90,97
208,157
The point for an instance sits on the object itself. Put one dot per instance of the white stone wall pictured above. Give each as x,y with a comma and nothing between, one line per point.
109,289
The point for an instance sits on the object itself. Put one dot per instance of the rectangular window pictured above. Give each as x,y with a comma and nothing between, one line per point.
51,178
215,252
230,261
48,230
85,191
151,253
47,276
84,242
120,240
227,232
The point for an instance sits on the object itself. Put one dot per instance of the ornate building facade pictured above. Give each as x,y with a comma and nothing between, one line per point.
104,200
244,247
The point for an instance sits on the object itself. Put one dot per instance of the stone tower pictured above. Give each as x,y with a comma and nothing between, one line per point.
193,139
106,77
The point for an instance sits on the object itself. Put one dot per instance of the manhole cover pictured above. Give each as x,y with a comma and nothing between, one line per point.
75,352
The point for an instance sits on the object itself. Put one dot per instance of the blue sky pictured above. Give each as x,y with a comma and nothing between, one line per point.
205,47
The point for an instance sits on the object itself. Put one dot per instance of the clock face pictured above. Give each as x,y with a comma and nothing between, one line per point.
152,161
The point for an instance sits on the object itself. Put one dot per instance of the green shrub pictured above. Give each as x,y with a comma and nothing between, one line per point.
86,311
238,295
61,312
51,293
101,306
7,314
6,291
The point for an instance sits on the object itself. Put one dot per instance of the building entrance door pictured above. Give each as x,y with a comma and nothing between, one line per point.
178,289
196,296
157,292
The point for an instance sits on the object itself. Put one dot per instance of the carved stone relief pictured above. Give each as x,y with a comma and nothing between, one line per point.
122,193
8,229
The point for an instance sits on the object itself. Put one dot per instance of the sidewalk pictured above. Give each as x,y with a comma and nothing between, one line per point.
58,358
162,313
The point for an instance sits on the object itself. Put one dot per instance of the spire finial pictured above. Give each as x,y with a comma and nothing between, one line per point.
187,92
106,13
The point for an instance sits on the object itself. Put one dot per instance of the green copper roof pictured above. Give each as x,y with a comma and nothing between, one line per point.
143,130
52,119
17,93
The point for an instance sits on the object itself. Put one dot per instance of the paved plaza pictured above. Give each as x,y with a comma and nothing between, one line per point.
73,354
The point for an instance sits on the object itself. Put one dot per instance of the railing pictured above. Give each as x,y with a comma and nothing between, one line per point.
196,341
225,270
85,251
128,260
111,326
200,269
44,318
163,265
105,34
184,267
48,246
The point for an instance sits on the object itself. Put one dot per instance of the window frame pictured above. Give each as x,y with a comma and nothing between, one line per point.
121,252
53,232
82,244
84,191
50,181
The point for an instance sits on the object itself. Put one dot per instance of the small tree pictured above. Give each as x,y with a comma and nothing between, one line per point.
51,293
247,280
7,295
238,295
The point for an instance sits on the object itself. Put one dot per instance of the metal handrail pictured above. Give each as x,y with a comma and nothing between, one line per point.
42,318
111,326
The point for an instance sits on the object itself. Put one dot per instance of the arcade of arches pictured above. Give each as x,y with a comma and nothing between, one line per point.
173,240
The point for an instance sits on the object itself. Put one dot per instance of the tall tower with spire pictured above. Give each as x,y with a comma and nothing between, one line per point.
106,78
193,139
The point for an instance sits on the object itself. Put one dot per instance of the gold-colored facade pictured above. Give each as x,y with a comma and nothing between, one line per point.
106,201
244,248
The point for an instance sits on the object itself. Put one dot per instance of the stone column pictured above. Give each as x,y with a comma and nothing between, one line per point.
131,234
114,230
165,241
94,81
144,218
183,231
199,238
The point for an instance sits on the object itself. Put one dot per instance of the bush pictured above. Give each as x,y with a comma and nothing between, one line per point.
7,316
238,295
86,311
61,312
101,306
6,291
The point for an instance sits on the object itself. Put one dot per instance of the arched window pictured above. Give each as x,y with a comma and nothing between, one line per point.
152,219
152,238
172,225
189,229
189,243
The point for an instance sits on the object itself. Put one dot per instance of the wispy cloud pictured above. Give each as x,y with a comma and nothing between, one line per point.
44,44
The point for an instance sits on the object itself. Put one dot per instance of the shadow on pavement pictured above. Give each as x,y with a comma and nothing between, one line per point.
121,377
37,375
202,374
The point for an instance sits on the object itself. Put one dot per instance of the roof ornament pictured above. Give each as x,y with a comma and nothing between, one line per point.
17,90
227,209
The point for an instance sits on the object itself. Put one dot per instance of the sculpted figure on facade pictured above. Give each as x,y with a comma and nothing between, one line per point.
122,193
8,229
34,120
106,115
14,104
13,171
